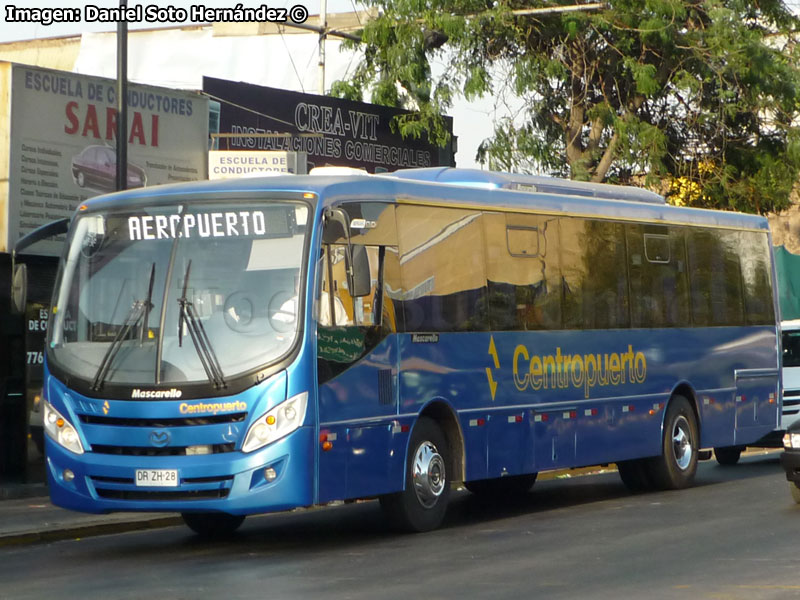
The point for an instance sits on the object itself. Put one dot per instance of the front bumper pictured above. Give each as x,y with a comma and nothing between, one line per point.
790,461
231,482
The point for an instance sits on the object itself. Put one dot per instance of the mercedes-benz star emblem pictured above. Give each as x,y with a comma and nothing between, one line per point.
159,438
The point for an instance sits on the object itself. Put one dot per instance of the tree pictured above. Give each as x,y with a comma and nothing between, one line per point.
701,94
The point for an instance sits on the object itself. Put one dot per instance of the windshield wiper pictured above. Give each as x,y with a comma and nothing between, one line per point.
147,306
139,309
199,337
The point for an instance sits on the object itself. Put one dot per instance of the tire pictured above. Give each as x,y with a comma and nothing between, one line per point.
676,467
729,455
80,179
212,525
795,492
635,474
421,506
502,487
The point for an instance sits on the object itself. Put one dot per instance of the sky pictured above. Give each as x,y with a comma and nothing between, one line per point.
473,121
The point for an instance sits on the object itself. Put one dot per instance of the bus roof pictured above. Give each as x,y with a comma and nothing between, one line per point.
529,183
442,186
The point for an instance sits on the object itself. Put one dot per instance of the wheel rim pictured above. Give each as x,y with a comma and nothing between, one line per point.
429,474
682,443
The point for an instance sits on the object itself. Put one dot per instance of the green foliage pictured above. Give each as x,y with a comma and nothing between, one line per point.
702,94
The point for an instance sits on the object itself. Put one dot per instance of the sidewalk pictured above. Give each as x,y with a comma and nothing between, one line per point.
34,519
28,517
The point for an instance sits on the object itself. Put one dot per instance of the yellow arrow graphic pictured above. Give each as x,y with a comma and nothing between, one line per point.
493,353
492,382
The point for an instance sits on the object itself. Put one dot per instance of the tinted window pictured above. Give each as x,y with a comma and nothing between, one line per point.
605,290
442,269
716,282
657,267
756,278
522,271
574,272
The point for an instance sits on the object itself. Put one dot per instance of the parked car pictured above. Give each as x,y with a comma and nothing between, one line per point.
790,459
790,363
96,167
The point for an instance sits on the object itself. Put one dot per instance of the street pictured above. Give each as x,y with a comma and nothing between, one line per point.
733,535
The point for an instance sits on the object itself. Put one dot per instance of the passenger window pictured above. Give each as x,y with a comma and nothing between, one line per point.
442,269
605,287
522,273
523,241
716,278
656,248
657,268
756,278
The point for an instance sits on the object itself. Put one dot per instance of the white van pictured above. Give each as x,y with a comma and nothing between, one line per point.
791,372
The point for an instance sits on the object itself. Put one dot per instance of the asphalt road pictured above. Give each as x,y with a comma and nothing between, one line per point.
735,535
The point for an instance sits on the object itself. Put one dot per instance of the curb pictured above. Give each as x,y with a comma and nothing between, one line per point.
23,490
77,531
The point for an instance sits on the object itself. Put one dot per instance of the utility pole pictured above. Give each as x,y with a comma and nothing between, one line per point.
323,33
122,101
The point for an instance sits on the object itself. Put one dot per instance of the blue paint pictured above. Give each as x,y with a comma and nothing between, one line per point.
523,401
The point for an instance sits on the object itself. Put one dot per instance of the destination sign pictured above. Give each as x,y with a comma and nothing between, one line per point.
217,224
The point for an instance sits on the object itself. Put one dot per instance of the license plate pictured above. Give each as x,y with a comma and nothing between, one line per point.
157,477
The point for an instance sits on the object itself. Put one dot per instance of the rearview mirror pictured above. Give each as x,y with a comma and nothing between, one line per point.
19,288
358,275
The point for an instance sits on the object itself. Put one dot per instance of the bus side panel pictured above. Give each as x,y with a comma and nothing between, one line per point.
369,463
756,403
589,397
510,446
476,442
617,429
717,418
333,463
449,367
358,417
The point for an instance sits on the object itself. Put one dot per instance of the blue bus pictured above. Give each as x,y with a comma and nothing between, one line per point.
233,347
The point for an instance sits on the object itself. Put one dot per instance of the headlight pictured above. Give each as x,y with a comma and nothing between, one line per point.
791,441
60,430
277,423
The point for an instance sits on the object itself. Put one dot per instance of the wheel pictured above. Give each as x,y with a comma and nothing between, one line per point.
80,179
422,504
212,524
502,487
729,455
635,474
677,465
795,491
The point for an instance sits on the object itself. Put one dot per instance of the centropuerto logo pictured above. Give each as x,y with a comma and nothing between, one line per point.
195,408
560,371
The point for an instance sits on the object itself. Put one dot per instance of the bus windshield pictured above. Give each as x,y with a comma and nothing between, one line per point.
179,294
791,348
